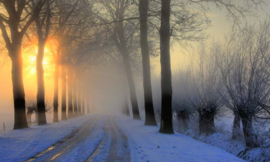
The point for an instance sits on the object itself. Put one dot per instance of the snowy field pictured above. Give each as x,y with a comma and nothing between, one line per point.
145,143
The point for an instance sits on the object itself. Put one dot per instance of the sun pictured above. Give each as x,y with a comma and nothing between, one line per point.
30,51
32,59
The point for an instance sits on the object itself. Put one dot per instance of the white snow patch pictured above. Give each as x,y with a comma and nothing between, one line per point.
147,144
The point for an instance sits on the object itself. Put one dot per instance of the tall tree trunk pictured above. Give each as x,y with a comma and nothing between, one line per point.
185,122
70,106
148,99
79,101
83,105
206,121
133,97
166,125
88,106
64,95
126,58
202,124
41,110
249,134
55,97
75,94
209,117
127,106
183,117
18,88
236,132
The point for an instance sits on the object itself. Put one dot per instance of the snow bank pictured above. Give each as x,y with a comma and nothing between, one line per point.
222,139
148,145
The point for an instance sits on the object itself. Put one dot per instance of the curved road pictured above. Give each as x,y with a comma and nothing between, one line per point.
99,139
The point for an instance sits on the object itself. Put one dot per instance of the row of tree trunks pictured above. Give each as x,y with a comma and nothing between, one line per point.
77,105
13,40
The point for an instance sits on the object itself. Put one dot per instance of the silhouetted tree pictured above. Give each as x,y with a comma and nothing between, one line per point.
56,88
121,33
66,12
235,11
148,99
166,76
75,96
206,87
17,20
70,94
64,93
245,75
42,22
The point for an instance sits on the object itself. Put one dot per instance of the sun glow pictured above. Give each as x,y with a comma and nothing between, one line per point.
32,62
30,56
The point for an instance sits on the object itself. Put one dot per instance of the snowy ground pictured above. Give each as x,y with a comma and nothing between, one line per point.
222,138
149,145
104,138
20,145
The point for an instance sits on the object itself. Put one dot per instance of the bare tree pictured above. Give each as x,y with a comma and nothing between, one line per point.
55,96
148,99
42,22
166,76
123,35
16,18
67,19
31,106
206,91
165,32
181,104
245,75
64,92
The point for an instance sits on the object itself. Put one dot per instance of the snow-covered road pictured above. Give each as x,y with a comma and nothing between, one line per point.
101,138
110,144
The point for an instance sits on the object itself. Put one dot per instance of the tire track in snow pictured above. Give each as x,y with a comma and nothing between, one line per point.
100,147
55,150
117,149
120,150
